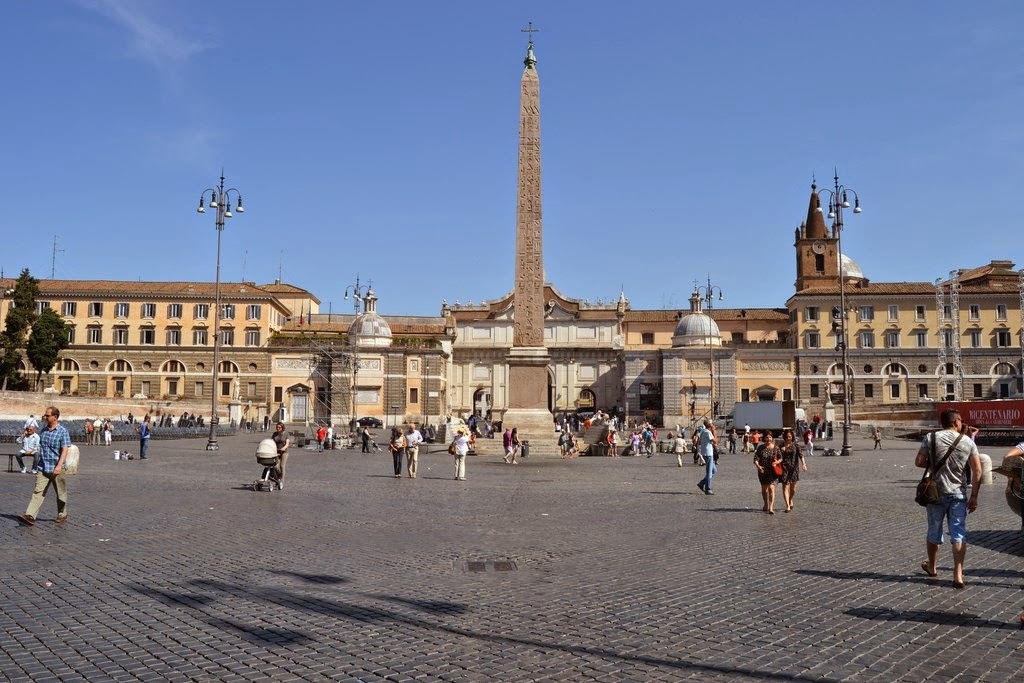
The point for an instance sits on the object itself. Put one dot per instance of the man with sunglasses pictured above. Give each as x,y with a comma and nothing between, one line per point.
54,442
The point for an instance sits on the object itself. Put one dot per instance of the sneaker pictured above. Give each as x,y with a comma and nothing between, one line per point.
280,486
27,520
24,471
61,520
709,492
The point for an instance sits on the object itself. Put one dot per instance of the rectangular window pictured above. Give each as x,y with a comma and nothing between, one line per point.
96,309
646,337
867,314
252,337
949,368
919,313
252,312
947,338
71,334
174,337
414,395
892,339
922,339
120,335
975,336
251,389
41,306
227,312
922,391
278,394
977,391
787,394
811,314
121,309
95,335
119,387
974,312
68,309
869,390
200,337
172,387
225,387
147,335
894,312
744,395
894,390
201,311
93,386
867,339
200,388
947,312
227,336
148,310
814,391
1000,311
813,340
145,387
174,311
1002,338
819,263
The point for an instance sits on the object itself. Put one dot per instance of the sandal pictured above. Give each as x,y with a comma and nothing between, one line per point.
924,568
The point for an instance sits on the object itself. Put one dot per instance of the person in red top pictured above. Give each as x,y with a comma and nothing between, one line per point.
321,436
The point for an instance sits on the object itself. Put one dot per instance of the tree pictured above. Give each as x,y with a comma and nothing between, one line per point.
20,318
49,338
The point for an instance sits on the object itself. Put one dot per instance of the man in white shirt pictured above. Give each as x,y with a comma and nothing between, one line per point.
29,446
413,439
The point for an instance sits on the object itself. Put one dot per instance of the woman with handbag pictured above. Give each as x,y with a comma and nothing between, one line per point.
792,460
397,446
769,466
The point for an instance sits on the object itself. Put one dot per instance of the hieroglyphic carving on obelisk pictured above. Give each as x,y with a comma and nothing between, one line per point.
529,289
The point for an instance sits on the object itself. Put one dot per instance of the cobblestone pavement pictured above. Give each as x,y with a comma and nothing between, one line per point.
593,569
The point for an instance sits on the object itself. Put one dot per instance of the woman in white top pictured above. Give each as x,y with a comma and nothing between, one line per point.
461,449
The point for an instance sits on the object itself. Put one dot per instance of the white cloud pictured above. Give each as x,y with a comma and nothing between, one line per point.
151,39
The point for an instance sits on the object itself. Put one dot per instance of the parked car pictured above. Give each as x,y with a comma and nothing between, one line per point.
374,422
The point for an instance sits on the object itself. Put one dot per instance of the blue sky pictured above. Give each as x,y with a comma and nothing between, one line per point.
679,140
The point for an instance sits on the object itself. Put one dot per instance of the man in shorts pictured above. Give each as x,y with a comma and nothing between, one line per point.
959,480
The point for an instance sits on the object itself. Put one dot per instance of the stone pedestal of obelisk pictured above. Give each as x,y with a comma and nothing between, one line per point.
528,359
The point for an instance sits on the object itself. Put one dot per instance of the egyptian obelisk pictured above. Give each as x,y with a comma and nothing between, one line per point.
528,358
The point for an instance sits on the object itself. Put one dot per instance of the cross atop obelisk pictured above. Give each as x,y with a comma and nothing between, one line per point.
528,359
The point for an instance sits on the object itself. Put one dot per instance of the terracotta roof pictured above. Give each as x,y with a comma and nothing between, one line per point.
143,289
723,314
290,290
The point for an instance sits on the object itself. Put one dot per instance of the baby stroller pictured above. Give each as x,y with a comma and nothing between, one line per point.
266,455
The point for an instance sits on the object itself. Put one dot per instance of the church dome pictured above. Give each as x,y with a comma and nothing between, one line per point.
696,328
849,268
369,329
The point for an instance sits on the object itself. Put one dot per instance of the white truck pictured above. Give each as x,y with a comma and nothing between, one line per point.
774,415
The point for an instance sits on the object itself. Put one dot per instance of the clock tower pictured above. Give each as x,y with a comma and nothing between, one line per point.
817,250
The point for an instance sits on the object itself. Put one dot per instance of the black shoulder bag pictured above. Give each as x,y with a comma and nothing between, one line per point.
928,488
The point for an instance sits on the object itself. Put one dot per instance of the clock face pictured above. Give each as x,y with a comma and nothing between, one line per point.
818,247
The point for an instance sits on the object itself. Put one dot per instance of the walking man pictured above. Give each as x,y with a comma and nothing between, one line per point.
877,434
413,439
54,443
958,479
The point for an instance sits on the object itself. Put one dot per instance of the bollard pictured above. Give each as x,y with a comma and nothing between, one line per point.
986,469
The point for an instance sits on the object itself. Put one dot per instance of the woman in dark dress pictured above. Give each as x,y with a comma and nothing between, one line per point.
792,460
765,457
397,446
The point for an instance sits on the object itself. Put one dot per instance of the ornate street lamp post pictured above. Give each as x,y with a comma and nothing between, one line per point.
358,293
707,292
837,201
220,199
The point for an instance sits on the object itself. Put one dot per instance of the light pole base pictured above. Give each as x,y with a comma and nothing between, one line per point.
212,445
845,450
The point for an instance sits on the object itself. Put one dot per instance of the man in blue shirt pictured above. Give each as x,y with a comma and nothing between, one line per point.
54,442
